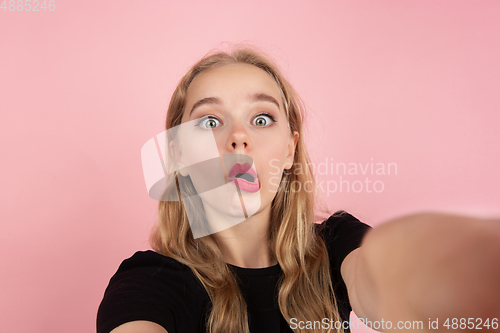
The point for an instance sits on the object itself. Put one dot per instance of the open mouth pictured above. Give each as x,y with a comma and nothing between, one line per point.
244,177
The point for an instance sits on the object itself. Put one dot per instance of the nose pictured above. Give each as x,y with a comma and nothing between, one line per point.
238,140
235,145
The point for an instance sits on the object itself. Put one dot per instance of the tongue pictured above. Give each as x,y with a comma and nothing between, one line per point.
246,176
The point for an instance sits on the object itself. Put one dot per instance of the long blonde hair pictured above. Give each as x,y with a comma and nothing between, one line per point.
305,288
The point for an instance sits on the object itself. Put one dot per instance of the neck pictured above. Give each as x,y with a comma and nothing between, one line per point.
247,243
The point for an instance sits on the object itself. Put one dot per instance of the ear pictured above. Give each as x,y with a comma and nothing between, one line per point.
292,143
176,153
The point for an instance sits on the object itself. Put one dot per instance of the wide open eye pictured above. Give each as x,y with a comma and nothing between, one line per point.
208,122
263,120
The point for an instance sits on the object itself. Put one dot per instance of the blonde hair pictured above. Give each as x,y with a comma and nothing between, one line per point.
305,288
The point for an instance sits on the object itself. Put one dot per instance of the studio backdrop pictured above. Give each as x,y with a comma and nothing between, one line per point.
403,112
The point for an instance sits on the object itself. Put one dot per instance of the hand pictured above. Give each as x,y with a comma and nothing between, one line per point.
434,266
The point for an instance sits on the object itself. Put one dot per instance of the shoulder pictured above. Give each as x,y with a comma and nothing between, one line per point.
148,269
150,286
342,233
149,263
341,222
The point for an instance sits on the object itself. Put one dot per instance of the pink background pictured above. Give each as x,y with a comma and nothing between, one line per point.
82,88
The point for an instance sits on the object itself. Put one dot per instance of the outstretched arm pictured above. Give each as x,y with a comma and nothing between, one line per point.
139,326
427,266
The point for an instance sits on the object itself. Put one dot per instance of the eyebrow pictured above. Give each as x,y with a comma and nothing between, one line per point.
203,101
259,97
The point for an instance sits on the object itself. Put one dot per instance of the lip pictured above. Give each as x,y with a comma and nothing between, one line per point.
241,183
241,168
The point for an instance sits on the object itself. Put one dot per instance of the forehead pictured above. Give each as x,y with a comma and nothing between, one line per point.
232,79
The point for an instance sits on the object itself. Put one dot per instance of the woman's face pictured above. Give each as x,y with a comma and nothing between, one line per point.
240,108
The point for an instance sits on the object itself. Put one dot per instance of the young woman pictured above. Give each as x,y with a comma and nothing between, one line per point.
240,253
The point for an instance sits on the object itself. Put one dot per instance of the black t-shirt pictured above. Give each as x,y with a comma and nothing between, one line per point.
150,286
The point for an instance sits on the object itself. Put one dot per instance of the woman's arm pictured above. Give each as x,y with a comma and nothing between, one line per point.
426,266
139,326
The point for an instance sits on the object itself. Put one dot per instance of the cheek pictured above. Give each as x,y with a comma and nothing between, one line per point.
270,165
196,145
272,149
